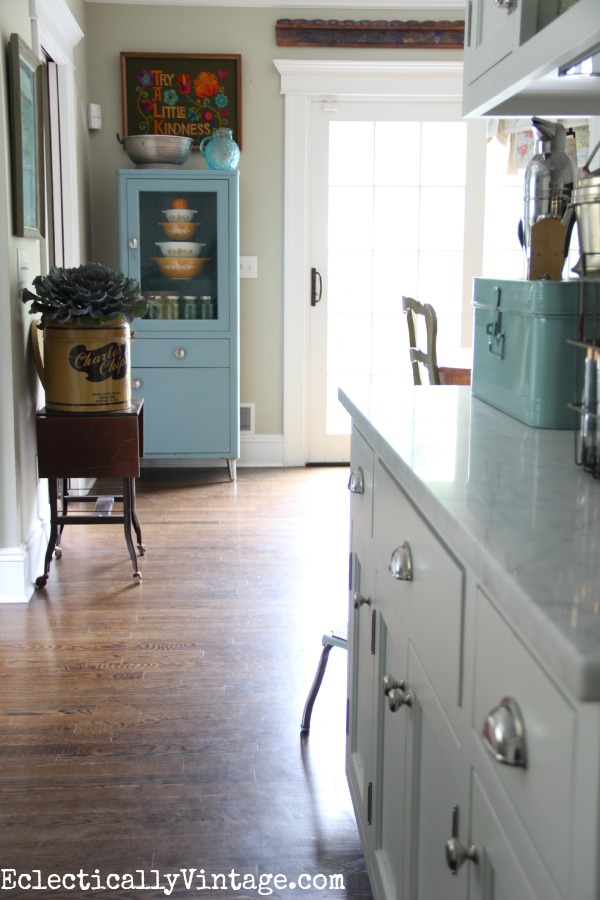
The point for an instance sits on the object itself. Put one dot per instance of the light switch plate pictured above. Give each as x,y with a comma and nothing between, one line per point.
248,267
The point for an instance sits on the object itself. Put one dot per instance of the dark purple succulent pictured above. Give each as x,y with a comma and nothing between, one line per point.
91,294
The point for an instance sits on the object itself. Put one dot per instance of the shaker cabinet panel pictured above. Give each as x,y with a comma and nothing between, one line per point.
361,674
431,602
203,394
491,32
391,816
361,484
541,792
179,237
498,874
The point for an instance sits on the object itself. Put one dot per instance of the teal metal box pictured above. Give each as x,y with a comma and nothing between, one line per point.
522,363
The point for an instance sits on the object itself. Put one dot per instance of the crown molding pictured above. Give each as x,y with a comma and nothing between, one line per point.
414,5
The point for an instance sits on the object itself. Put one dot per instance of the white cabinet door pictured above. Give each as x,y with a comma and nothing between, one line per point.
491,33
436,784
361,675
418,778
391,815
497,875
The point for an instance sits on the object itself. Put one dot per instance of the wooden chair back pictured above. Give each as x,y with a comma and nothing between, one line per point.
426,357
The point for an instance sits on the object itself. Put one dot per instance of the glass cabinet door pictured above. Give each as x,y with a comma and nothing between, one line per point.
177,248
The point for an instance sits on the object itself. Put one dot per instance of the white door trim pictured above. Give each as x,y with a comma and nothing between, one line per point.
302,82
56,31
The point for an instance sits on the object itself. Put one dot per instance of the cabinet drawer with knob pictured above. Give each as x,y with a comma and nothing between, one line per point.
180,353
360,483
423,583
526,729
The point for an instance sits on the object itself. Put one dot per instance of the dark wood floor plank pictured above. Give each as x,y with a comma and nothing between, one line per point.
157,726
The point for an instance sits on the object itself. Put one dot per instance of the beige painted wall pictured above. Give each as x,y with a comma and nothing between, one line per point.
20,510
114,28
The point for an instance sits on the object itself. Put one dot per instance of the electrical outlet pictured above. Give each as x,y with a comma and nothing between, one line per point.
248,267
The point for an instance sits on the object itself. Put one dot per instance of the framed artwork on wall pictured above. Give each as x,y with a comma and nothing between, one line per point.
27,141
181,94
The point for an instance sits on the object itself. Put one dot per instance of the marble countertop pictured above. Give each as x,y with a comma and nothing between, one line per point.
510,502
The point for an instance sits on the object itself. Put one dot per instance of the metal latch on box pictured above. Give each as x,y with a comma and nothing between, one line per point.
494,329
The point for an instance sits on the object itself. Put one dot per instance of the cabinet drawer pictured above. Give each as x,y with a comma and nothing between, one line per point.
542,792
167,353
361,483
431,605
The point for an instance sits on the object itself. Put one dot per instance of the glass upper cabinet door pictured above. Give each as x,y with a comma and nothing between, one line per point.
177,250
549,10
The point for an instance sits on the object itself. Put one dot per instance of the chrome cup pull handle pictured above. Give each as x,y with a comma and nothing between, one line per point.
356,483
504,734
401,564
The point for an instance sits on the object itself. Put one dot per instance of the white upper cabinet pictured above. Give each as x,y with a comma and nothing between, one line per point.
514,50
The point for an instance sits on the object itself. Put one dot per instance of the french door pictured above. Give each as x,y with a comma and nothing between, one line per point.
388,216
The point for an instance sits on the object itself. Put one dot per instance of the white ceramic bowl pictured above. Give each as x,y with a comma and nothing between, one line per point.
179,215
178,267
180,248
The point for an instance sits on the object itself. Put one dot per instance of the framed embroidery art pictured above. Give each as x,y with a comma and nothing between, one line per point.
27,147
181,94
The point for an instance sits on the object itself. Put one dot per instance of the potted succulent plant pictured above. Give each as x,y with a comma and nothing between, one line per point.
84,316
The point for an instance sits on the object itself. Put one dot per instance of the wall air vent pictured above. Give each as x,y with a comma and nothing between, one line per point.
247,418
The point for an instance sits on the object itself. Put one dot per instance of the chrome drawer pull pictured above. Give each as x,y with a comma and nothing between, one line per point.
401,564
356,484
504,734
456,852
180,353
396,693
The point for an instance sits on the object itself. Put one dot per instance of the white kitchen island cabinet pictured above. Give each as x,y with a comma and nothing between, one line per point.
179,237
474,607
514,49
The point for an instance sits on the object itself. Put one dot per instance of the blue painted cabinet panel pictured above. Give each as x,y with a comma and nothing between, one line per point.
179,236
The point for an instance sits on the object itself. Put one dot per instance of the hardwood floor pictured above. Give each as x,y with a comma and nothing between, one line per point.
156,727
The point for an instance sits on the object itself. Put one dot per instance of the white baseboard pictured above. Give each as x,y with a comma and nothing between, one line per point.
20,566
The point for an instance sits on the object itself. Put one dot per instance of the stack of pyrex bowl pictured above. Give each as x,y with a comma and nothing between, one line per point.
180,256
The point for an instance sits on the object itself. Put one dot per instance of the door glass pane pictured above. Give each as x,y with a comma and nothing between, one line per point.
396,223
351,153
178,254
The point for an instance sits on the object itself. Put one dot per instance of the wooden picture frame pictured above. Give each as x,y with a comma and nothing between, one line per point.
27,139
183,94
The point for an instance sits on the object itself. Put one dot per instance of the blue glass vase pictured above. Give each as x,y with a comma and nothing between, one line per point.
220,150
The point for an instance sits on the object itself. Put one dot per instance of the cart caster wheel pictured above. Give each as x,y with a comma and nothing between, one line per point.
142,549
138,577
41,581
58,553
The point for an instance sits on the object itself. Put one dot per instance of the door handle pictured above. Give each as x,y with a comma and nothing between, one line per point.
315,293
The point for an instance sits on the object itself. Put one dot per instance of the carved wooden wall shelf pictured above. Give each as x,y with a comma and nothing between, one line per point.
333,33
